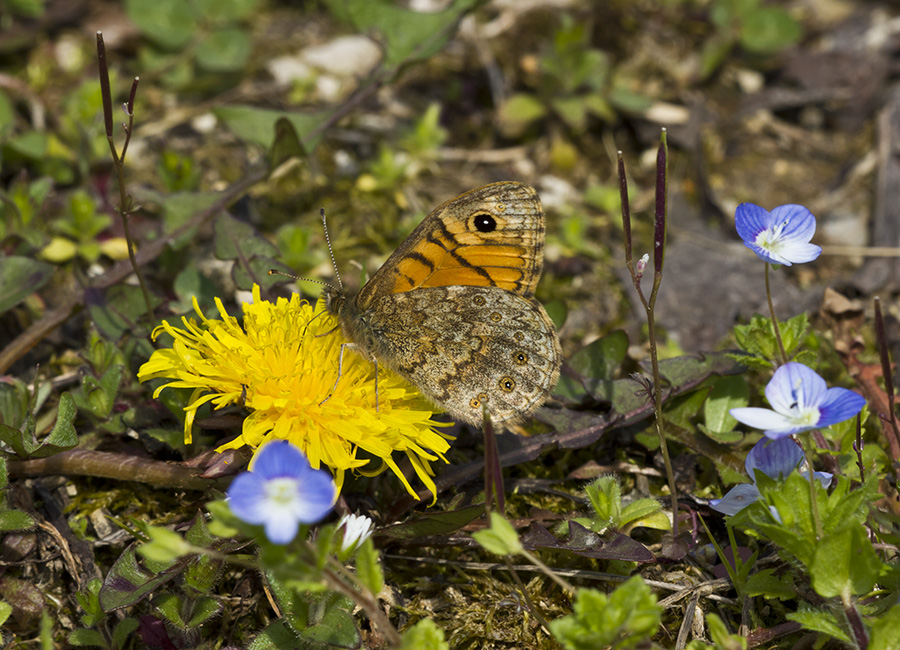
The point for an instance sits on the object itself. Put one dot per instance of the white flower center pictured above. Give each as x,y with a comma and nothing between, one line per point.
770,238
804,417
281,491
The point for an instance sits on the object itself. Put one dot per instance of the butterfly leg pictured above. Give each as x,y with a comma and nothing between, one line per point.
340,371
375,361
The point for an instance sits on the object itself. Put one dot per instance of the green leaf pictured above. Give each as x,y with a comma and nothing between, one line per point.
118,310
253,254
31,145
368,568
626,618
123,631
257,125
226,50
426,524
19,278
276,636
227,10
601,359
89,599
165,546
424,635
765,583
720,636
128,582
768,30
171,23
642,512
819,621
63,435
286,145
558,311
727,393
169,607
501,538
180,208
885,634
605,497
15,520
518,112
336,628
845,564
404,35
83,638
203,610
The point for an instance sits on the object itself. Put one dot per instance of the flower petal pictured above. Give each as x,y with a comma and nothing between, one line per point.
279,458
246,494
738,498
824,478
316,492
774,458
759,418
750,220
795,252
795,387
799,223
839,404
281,530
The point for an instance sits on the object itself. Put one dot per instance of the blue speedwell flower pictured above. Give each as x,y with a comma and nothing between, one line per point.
774,458
281,491
781,236
801,401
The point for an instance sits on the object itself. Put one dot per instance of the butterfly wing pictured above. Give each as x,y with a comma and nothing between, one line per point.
492,236
469,347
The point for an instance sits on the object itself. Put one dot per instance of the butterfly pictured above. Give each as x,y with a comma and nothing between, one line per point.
453,309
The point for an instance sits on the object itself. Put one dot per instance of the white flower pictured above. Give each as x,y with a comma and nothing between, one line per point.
357,529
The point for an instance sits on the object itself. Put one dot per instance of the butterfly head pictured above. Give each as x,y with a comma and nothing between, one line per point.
334,298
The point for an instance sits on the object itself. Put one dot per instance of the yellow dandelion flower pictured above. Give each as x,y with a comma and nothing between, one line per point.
281,364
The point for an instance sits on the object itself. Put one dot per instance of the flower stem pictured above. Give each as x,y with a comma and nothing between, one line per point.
534,559
530,604
775,328
125,203
814,504
339,579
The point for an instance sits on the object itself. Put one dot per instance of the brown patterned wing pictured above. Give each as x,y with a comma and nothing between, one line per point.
492,236
469,347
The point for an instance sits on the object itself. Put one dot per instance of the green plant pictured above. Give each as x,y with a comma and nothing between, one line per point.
574,82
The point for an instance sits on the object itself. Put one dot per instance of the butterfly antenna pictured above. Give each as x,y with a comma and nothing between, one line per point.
337,273
298,277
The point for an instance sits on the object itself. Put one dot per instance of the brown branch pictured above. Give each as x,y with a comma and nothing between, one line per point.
123,467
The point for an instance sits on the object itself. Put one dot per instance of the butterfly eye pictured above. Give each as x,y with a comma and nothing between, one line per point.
496,317
484,223
479,300
520,358
475,403
507,384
